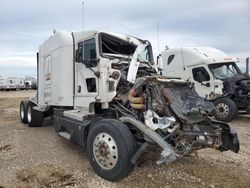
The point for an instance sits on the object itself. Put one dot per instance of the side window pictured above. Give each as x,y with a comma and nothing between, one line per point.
200,74
91,84
88,50
170,58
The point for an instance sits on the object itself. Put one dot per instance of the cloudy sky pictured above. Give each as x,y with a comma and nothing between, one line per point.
25,24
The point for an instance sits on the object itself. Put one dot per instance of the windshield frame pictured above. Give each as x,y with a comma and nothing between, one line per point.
124,56
110,55
210,66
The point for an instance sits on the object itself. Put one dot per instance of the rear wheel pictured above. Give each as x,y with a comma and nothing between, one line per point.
23,111
225,109
34,117
110,148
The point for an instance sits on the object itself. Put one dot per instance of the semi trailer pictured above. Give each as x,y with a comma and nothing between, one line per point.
215,75
104,93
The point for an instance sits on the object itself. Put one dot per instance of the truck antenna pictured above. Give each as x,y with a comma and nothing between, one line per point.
83,15
157,27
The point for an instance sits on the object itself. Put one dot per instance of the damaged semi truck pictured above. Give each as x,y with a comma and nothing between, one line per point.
104,93
215,75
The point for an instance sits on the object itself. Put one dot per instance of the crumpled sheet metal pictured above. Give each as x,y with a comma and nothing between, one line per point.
187,104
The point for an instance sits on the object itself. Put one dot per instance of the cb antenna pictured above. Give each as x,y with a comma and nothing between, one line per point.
157,27
83,15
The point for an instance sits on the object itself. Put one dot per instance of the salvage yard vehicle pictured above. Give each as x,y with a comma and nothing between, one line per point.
216,77
104,93
11,83
14,83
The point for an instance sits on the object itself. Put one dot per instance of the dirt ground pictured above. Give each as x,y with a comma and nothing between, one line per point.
37,157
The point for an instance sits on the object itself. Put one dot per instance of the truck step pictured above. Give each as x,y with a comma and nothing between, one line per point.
65,135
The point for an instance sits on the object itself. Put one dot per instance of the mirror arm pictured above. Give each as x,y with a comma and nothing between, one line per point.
97,73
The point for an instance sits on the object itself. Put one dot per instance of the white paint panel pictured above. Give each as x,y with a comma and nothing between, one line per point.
56,71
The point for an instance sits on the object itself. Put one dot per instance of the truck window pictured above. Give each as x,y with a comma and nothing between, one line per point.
91,84
89,49
200,74
170,58
224,70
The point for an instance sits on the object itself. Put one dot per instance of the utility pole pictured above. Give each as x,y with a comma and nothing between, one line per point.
83,15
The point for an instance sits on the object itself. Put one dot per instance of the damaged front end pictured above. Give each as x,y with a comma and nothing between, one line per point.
164,112
169,113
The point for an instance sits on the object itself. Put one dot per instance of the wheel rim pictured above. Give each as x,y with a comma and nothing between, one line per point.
105,151
29,113
22,111
222,110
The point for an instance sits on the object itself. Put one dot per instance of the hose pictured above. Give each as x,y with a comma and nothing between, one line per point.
135,102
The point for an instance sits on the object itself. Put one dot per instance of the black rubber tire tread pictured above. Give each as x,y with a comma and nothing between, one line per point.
23,104
126,146
233,110
36,116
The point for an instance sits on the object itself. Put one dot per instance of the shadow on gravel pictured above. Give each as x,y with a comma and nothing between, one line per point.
5,147
44,176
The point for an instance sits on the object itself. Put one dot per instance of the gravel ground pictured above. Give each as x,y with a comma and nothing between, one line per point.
37,157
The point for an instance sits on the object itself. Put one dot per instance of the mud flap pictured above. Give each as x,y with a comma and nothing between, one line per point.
229,140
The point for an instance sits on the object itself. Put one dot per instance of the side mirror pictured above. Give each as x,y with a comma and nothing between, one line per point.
199,77
78,55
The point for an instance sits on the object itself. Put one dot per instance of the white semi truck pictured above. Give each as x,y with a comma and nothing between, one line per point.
103,92
215,75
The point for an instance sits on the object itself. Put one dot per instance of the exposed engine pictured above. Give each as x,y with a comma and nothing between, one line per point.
173,110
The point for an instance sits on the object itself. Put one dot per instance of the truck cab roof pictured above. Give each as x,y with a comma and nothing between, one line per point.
200,55
64,38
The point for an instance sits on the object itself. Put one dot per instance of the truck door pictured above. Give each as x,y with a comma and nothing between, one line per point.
203,81
86,83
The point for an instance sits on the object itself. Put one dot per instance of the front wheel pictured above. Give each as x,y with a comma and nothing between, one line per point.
110,148
225,109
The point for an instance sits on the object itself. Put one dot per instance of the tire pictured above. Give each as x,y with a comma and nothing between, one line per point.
110,148
23,111
225,109
34,117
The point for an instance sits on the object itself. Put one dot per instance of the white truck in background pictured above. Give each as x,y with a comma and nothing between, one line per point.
15,83
104,93
11,83
215,75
